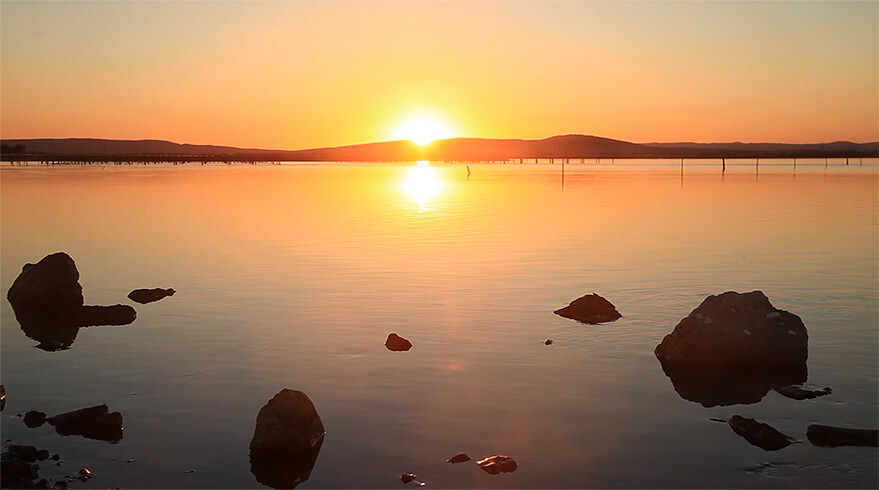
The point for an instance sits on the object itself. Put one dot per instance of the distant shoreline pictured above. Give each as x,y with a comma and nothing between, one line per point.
566,147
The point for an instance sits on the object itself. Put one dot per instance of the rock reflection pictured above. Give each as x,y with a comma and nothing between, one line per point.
720,386
285,471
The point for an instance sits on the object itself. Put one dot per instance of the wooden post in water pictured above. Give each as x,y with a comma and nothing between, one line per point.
825,162
846,160
723,160
795,162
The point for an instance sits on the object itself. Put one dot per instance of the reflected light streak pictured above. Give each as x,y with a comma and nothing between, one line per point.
422,183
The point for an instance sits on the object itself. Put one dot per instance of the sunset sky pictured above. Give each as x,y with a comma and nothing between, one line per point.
289,74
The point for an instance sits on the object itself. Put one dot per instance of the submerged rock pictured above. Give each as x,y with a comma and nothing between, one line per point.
591,309
407,477
458,458
736,329
17,470
92,423
25,453
144,296
90,316
829,436
397,343
497,464
798,393
48,304
759,434
286,441
34,419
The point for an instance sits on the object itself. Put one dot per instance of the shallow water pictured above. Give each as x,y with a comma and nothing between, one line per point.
293,275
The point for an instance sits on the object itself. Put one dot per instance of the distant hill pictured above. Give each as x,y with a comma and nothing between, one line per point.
573,146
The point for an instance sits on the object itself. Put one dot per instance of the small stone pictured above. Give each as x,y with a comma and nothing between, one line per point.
759,434
459,458
34,419
190,471
497,464
798,393
548,342
56,457
397,343
131,460
407,477
144,296
590,309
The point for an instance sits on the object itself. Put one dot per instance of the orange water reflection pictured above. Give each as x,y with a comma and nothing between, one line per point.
422,183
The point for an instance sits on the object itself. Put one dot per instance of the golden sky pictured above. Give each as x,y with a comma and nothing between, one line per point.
295,74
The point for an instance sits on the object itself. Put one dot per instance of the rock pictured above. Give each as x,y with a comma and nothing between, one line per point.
48,304
16,473
730,385
286,441
93,423
591,309
84,474
497,464
829,436
90,316
407,477
397,343
34,419
46,298
144,296
547,342
2,397
733,329
759,434
25,453
797,393
459,458
50,285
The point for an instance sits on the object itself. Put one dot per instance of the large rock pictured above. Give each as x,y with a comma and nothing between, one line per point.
48,304
51,285
591,309
396,343
736,329
498,464
286,441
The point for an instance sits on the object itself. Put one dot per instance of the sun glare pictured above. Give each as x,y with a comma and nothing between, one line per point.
422,130
422,183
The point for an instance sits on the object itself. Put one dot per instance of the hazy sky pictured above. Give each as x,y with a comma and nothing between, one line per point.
291,74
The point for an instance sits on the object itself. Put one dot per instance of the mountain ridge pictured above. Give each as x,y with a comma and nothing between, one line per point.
573,146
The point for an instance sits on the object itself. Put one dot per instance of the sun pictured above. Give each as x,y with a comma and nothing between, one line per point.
422,130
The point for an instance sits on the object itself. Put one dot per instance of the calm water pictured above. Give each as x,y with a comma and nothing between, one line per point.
293,275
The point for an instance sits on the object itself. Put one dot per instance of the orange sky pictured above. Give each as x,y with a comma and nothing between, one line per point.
307,74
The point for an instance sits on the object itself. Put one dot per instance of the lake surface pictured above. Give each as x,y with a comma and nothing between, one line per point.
292,276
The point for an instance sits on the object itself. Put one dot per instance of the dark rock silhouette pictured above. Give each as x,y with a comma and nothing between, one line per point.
730,385
733,329
2,397
591,309
48,304
286,441
90,316
17,470
798,393
92,423
829,436
144,296
397,343
407,477
759,434
34,419
497,464
458,458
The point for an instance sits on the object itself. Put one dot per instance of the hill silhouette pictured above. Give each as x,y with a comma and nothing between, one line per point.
572,146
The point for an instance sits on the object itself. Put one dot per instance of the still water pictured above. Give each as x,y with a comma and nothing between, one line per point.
293,276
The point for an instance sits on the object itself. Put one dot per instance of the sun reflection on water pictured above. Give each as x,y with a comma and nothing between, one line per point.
422,183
